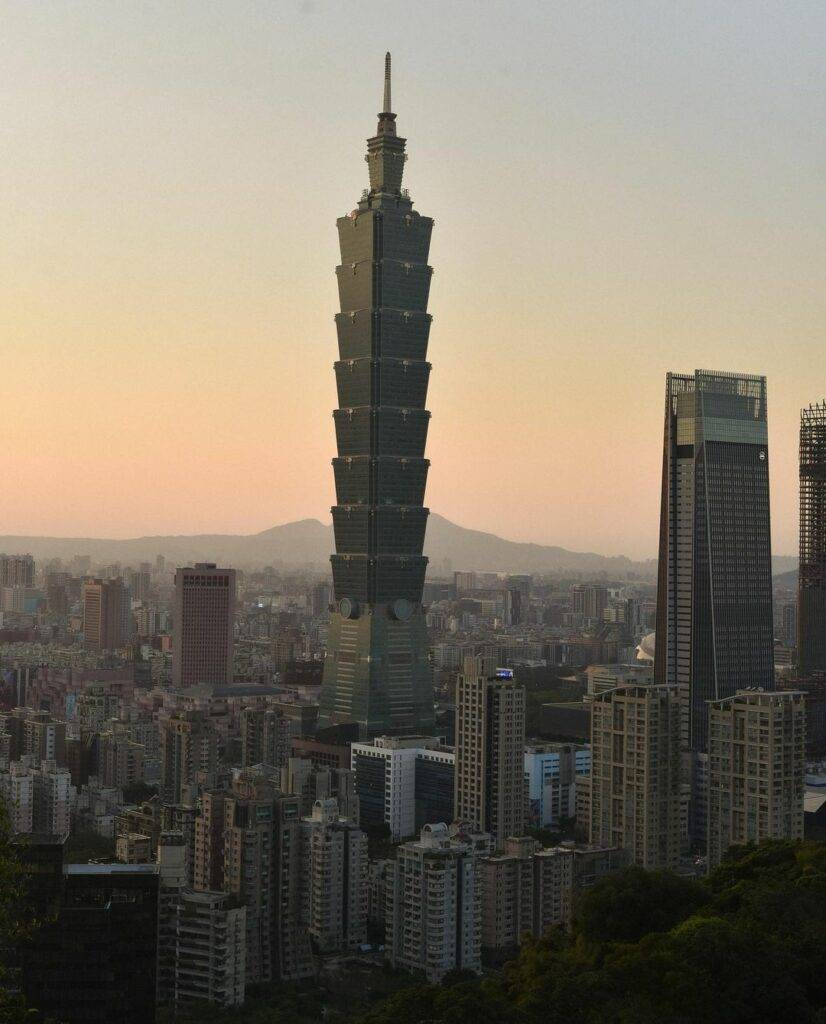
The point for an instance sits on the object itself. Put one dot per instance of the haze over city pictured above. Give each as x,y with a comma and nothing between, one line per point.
619,190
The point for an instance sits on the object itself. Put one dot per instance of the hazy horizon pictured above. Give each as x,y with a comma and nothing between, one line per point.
619,190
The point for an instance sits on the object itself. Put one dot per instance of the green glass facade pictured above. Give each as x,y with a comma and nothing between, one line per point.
377,671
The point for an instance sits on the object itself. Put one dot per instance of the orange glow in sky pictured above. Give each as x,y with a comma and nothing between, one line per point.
619,189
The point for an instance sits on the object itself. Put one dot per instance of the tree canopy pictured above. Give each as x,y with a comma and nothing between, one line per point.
745,946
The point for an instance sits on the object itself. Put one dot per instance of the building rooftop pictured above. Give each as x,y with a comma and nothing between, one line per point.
110,869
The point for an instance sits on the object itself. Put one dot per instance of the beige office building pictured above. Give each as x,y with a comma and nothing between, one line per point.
104,614
756,767
635,800
489,793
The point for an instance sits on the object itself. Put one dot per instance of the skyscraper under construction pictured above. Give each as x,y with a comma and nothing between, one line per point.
714,595
376,671
811,595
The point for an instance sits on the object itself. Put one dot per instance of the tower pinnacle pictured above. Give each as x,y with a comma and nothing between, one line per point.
387,108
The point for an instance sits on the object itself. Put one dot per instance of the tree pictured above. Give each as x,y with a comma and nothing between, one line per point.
16,923
633,903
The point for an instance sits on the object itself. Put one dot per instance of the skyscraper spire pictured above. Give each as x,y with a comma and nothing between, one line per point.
387,108
387,119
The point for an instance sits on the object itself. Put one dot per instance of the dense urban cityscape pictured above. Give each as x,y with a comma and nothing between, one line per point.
234,784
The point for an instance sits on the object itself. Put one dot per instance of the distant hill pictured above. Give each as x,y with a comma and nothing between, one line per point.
308,543
786,579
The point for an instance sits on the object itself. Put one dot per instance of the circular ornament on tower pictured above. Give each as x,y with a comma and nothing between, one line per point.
401,609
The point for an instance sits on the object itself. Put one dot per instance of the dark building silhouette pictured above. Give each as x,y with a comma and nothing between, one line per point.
93,959
714,596
376,671
811,594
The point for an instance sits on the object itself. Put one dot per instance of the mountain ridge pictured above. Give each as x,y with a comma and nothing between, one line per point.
308,543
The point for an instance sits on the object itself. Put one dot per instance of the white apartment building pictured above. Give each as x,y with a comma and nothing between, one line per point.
434,905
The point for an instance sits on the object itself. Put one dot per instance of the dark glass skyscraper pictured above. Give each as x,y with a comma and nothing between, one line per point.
714,594
811,595
377,671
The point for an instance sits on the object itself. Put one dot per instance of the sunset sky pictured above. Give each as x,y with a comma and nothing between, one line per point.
619,189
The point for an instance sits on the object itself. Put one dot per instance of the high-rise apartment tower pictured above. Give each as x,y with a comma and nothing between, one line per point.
715,631
811,595
16,571
490,790
635,774
376,672
757,751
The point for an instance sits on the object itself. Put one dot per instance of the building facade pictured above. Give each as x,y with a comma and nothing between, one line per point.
248,844
189,756
16,571
635,791
434,905
552,771
376,670
715,631
203,626
756,768
490,741
105,604
333,879
53,799
811,595
265,737
390,772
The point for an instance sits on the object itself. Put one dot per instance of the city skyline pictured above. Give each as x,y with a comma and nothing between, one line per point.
670,218
389,768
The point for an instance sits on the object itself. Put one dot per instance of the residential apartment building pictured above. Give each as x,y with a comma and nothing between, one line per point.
552,771
526,890
490,742
248,843
756,768
333,879
635,798
53,799
434,905
189,756
265,737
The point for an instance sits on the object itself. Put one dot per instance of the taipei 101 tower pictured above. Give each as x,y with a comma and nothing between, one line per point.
377,672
